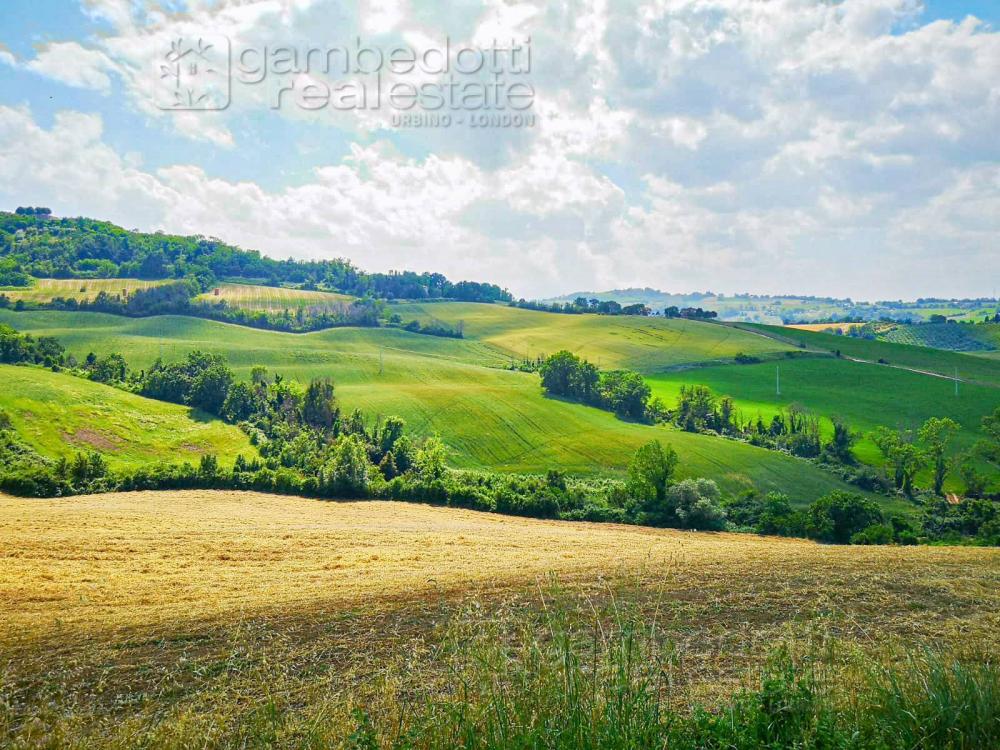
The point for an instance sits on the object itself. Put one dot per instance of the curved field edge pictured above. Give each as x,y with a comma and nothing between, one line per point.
59,415
489,418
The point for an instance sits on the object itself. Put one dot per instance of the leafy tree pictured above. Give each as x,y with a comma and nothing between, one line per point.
12,275
403,454
166,382
347,471
878,533
650,472
840,447
17,347
429,462
778,517
989,448
696,408
839,515
153,266
695,505
905,458
971,518
625,393
388,466
208,466
975,481
210,387
390,433
110,369
934,437
87,468
565,374
319,408
772,514
240,404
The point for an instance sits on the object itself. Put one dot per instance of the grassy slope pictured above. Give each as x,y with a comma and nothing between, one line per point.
948,336
44,290
971,368
59,414
865,395
273,299
489,417
645,344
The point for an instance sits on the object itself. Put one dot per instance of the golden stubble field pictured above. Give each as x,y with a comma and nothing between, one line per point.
198,604
121,561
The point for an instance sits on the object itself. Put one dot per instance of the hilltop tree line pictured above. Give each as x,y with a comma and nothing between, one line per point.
583,305
596,306
35,245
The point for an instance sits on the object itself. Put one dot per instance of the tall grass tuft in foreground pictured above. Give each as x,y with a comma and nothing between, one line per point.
560,679
612,688
932,702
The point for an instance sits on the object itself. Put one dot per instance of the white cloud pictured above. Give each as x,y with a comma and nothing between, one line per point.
732,144
74,65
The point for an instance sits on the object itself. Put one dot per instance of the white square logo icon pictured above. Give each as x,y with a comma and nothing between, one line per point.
193,73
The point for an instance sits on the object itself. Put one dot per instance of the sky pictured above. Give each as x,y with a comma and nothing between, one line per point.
830,147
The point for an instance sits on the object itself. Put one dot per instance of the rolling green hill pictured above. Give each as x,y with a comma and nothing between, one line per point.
949,336
489,417
865,395
645,344
59,415
971,368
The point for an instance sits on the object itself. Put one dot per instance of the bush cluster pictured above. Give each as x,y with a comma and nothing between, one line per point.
622,391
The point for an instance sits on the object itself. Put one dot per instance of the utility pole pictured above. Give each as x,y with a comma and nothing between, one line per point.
381,362
956,382
777,380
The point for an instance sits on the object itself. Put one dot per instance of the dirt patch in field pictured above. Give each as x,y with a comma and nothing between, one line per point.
92,439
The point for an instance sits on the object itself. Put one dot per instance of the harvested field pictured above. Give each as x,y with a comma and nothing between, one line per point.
45,290
179,616
275,298
135,559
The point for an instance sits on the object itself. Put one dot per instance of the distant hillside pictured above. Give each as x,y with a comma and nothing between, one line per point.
40,246
785,309
968,337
